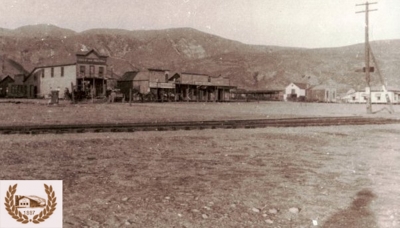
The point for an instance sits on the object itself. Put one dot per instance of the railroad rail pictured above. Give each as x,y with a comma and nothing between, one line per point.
192,125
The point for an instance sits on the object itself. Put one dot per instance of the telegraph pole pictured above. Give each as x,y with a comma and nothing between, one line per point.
367,66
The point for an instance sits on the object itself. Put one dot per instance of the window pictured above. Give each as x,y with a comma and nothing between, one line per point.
62,71
293,91
82,70
91,72
101,71
42,73
52,72
34,77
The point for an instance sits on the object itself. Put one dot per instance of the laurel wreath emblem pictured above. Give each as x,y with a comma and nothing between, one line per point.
41,217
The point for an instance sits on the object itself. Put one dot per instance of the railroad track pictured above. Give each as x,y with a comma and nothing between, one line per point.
192,125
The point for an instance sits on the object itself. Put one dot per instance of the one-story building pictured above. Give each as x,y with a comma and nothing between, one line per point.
258,95
17,88
321,93
150,84
162,85
304,92
202,87
378,95
4,85
295,92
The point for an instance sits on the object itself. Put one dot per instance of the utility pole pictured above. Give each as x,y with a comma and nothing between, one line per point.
384,85
367,66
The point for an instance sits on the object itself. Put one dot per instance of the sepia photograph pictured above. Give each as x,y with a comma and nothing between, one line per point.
200,113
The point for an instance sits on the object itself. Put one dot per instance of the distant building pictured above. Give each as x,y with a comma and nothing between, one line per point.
378,96
151,83
17,88
258,95
295,92
87,74
4,85
321,93
161,84
202,87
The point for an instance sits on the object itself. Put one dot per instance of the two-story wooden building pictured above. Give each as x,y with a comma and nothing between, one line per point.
91,68
87,74
42,80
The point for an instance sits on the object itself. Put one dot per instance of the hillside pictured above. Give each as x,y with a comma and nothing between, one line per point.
186,49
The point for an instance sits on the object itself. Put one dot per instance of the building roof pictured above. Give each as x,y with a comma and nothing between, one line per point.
195,74
263,91
147,75
376,89
46,66
55,65
174,75
85,53
321,87
142,75
8,76
138,75
301,85
156,69
129,76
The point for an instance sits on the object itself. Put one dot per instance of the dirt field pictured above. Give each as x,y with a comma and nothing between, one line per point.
38,112
273,177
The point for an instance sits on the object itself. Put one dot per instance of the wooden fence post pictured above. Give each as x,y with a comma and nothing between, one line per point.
72,93
130,97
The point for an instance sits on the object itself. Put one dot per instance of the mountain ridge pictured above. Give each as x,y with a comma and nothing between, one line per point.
187,49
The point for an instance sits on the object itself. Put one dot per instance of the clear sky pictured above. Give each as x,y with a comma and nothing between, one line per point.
294,23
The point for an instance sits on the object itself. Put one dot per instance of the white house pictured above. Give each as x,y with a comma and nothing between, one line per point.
295,91
43,80
378,96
